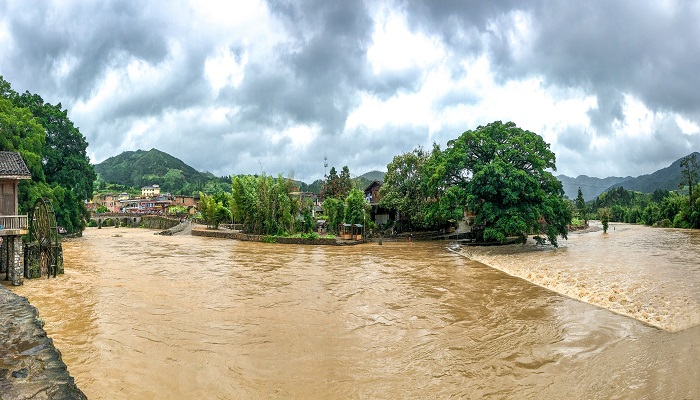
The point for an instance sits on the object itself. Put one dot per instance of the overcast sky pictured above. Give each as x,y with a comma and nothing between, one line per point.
239,87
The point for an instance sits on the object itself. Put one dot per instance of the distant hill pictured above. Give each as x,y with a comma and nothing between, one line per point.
373,176
590,187
140,168
362,181
665,179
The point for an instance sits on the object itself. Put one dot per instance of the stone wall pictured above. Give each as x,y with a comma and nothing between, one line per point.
12,259
158,222
175,229
259,238
30,365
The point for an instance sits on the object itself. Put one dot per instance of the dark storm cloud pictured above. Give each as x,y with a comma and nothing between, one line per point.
93,35
643,48
650,50
317,72
322,62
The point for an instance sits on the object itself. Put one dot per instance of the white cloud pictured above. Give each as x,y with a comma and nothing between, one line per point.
395,47
225,68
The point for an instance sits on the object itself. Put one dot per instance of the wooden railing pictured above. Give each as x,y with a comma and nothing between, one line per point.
13,222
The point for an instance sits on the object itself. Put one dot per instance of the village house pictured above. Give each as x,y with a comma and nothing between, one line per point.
150,191
191,202
12,226
379,215
108,200
316,203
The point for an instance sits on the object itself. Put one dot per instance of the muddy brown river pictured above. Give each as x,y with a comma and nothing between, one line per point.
140,316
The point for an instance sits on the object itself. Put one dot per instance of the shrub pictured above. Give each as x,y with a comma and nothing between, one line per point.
269,239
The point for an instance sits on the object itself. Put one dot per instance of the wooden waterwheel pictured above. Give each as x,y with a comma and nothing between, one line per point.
44,232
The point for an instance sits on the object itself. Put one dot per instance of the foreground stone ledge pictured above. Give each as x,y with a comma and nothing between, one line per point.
30,366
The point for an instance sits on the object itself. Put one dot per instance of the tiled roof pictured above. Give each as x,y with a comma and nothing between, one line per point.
11,164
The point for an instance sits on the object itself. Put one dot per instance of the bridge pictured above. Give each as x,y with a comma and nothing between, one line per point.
120,219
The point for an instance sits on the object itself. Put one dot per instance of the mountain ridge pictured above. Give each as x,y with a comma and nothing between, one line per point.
140,167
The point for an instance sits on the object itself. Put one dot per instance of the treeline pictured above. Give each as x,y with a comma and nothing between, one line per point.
54,151
678,209
270,206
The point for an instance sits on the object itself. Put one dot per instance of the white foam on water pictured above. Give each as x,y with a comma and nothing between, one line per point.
649,274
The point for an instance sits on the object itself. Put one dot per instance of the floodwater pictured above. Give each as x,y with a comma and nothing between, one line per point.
651,274
140,316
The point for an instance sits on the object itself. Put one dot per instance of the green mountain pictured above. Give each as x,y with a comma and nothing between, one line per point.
668,178
362,181
373,176
590,187
140,168
665,179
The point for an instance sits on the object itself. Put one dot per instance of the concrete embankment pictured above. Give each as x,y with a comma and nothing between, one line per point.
30,366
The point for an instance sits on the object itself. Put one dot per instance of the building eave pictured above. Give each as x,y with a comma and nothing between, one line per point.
15,177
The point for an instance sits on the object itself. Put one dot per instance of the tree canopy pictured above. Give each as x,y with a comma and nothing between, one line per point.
498,172
403,187
501,172
54,150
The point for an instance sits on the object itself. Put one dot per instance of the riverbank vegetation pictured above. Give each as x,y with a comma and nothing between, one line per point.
270,206
54,151
662,208
497,173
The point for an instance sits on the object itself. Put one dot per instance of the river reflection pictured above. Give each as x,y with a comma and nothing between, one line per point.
141,316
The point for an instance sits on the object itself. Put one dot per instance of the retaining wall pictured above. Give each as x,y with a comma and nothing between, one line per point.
158,222
259,238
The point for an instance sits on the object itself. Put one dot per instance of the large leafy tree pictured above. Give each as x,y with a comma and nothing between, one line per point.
689,175
65,161
355,207
54,150
501,173
403,186
337,186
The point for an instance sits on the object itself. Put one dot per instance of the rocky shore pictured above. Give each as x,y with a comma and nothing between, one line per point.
30,366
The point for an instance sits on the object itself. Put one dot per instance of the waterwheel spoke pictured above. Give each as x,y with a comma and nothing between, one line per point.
44,232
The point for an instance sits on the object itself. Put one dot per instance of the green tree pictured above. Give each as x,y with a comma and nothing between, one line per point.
403,186
213,212
65,161
581,206
689,174
604,214
355,207
263,204
332,185
54,150
344,183
335,210
22,133
500,172
307,223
